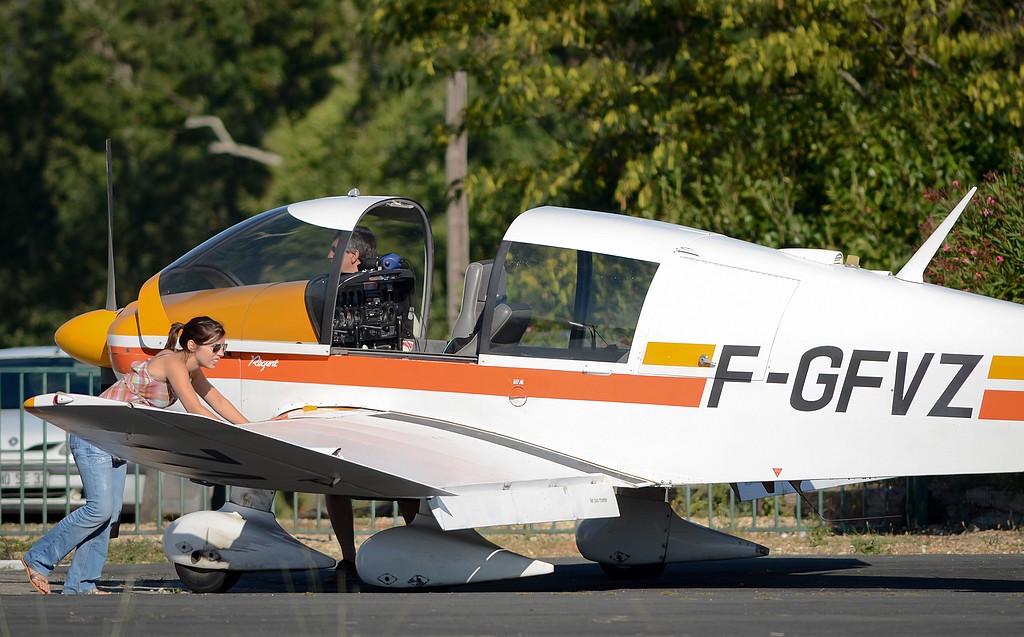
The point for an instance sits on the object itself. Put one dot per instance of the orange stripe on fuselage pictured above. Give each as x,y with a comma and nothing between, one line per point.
457,377
470,378
1001,404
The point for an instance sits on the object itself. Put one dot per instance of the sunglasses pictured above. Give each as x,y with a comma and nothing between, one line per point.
218,347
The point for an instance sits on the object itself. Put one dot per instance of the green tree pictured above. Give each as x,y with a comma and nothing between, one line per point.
76,73
791,123
373,132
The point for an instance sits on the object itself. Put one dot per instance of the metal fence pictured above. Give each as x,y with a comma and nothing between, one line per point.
39,483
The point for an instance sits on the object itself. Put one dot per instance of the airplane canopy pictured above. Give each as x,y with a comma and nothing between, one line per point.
284,258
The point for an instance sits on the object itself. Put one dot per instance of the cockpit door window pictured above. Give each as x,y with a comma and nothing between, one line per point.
567,304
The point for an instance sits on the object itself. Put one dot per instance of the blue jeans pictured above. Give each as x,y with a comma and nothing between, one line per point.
87,528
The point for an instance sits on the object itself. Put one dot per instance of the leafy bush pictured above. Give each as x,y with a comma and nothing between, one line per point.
984,253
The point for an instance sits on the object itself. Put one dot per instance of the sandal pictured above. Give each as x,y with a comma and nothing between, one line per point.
37,580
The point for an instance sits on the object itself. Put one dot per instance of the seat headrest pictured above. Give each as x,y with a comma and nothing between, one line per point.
474,292
509,323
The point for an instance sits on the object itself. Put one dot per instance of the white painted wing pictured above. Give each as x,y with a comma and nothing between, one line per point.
472,478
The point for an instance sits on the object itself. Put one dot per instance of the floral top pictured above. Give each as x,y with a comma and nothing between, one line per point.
137,386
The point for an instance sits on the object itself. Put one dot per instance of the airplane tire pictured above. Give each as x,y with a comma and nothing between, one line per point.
640,571
200,580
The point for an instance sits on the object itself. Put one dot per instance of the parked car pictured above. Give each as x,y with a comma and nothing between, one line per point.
37,470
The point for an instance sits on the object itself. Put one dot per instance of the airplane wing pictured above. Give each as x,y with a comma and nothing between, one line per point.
469,477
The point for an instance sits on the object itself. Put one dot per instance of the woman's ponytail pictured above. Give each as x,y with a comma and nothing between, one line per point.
172,336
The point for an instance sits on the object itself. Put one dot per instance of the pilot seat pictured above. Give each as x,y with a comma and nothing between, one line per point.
508,323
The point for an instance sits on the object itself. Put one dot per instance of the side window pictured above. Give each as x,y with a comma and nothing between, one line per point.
570,304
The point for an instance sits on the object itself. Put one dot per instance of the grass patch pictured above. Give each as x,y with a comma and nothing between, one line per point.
818,536
123,550
136,551
12,548
869,544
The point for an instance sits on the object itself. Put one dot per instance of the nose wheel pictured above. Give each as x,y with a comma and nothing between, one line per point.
199,580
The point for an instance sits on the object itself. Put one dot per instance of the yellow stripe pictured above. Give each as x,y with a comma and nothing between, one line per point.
677,354
1007,367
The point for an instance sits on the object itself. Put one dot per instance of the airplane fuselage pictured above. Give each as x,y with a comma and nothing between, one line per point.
738,363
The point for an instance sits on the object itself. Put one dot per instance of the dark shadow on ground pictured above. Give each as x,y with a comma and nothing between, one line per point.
824,572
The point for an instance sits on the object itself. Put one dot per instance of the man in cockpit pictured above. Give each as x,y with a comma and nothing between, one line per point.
361,250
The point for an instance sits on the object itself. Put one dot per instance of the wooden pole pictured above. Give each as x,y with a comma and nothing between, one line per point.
458,211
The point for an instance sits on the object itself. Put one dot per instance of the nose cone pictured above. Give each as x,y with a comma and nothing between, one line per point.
85,337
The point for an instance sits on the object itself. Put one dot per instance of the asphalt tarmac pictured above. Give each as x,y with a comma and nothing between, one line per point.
770,597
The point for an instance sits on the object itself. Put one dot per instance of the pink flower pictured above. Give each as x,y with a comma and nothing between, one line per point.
945,247
974,252
999,259
986,212
956,183
989,201
980,275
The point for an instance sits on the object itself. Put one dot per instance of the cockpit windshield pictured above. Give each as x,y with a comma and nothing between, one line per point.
271,247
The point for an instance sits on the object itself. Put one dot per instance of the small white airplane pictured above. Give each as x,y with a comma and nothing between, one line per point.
598,360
